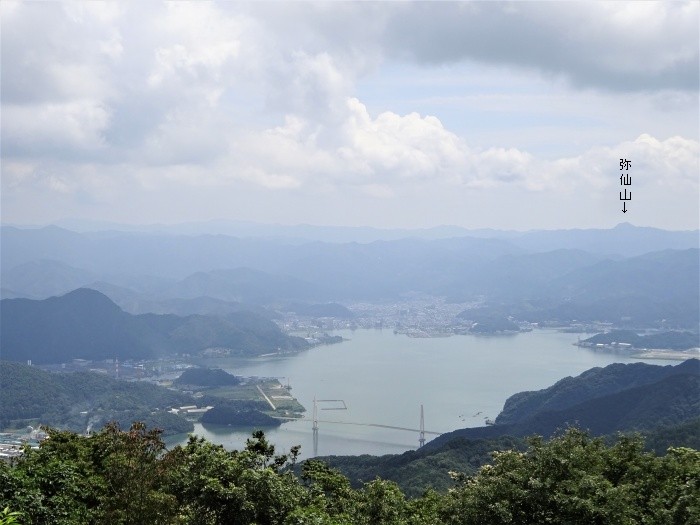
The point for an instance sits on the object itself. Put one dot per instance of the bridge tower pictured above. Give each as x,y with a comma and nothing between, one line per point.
315,428
421,439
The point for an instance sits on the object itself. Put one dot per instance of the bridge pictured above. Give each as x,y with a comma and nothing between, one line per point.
287,418
339,404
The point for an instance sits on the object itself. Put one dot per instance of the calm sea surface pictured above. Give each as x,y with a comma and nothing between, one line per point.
383,378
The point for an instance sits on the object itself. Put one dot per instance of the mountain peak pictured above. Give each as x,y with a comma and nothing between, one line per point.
87,297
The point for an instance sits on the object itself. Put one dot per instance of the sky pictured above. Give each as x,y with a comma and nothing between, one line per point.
414,114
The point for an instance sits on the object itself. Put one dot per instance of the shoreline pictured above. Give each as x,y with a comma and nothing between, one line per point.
645,353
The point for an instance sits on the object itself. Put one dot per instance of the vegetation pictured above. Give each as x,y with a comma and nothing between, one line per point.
8,517
86,324
208,377
80,400
685,434
662,402
591,384
416,471
428,467
667,340
232,413
127,477
615,398
490,324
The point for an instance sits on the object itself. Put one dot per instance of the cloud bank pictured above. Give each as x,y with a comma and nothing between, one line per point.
107,100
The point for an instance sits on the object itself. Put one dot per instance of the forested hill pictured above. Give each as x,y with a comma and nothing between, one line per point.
86,324
591,384
603,400
660,401
670,340
80,400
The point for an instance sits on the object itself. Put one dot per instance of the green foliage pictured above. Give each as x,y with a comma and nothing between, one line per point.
230,413
591,384
206,377
416,471
8,517
576,479
57,399
664,437
214,486
127,477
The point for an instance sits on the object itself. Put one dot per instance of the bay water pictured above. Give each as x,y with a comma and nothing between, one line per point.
383,379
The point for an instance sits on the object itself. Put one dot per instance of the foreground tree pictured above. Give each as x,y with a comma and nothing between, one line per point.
214,486
112,477
127,477
578,480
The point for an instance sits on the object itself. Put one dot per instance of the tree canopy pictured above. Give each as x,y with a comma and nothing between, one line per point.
128,477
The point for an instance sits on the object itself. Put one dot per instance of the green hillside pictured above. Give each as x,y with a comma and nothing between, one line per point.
80,400
661,402
86,324
593,383
668,340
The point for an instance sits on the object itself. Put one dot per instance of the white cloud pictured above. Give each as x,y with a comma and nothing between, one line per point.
130,98
78,125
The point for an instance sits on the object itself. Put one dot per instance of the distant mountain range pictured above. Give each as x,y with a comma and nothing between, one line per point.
630,276
624,239
86,324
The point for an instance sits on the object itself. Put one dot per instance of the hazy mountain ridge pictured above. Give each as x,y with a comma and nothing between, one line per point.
86,324
560,285
624,239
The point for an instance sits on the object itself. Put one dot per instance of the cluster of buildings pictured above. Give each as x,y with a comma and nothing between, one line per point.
410,316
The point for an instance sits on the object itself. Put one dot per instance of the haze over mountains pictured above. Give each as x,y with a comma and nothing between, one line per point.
625,238
86,324
638,276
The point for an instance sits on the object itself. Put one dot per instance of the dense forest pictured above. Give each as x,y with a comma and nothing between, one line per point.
127,477
83,400
238,414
